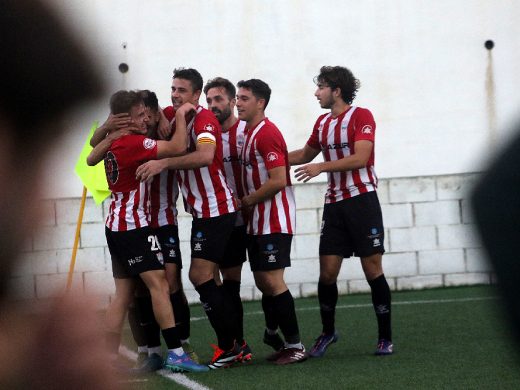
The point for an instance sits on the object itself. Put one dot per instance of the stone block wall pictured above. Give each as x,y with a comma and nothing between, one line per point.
429,239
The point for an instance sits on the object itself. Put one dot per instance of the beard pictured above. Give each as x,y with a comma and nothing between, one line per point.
222,115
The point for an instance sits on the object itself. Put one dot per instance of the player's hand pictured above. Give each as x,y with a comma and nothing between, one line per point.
164,129
185,109
148,170
307,172
118,134
116,122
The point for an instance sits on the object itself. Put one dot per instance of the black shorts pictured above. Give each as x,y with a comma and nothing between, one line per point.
353,227
168,236
210,236
269,251
134,252
236,249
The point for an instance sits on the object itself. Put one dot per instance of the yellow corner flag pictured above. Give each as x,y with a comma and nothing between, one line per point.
93,178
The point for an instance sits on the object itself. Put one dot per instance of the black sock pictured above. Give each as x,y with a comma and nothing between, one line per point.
112,341
381,300
147,321
283,305
171,337
213,302
232,288
270,317
328,298
181,311
137,330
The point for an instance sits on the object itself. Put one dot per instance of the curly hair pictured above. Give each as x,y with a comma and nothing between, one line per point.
339,77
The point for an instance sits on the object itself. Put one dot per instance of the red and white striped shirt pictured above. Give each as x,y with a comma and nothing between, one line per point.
130,197
232,144
265,149
164,191
335,137
205,190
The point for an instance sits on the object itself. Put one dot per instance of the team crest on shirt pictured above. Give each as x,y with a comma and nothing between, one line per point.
209,128
272,156
149,143
367,129
111,168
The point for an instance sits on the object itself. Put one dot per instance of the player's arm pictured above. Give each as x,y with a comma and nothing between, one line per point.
201,157
275,183
303,156
113,123
98,153
164,130
357,160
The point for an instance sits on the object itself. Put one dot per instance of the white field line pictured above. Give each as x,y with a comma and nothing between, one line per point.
180,379
362,305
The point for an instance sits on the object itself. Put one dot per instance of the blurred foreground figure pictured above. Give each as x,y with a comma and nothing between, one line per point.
44,74
496,205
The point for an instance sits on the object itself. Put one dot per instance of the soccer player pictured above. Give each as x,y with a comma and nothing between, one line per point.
352,223
132,243
269,205
220,97
164,192
210,201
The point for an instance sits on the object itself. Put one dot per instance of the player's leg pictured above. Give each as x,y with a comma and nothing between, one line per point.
231,268
381,300
168,236
366,224
269,256
150,330
334,246
207,237
177,359
116,312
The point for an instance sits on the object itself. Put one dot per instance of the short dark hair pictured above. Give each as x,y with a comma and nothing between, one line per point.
258,88
339,77
220,82
190,74
149,99
123,101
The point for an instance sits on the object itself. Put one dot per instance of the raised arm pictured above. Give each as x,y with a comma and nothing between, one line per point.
113,123
98,153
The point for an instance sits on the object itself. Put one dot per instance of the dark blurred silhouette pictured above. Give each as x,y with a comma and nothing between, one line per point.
496,205
44,74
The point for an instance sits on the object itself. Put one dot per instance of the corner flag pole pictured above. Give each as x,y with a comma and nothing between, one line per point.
76,239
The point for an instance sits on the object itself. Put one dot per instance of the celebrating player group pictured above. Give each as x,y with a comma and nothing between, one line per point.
233,170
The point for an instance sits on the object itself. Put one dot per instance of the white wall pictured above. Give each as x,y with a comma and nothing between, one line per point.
429,242
422,65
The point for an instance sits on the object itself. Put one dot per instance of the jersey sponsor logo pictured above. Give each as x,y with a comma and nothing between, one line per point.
135,260
209,127
367,129
197,246
149,143
341,145
271,259
272,156
232,158
111,168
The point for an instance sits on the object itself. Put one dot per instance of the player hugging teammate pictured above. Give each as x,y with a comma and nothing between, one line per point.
233,173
